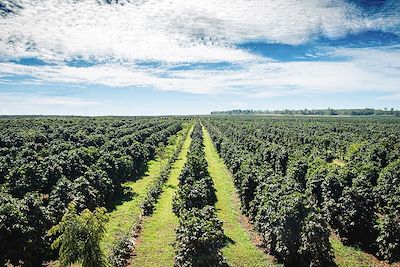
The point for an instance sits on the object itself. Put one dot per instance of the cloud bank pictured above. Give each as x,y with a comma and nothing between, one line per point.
148,43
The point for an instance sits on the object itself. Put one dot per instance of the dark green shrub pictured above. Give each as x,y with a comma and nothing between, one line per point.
199,238
121,251
389,235
315,249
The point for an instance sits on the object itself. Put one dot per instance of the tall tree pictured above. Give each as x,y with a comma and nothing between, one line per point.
79,237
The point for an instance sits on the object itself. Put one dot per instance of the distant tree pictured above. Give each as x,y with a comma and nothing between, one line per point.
79,237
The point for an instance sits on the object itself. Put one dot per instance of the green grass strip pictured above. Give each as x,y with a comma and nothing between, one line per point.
240,251
346,256
158,233
125,214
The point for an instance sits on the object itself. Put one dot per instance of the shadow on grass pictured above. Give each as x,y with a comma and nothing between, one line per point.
170,186
142,172
227,240
125,194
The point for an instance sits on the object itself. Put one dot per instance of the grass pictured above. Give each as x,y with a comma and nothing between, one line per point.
240,251
158,232
346,256
126,213
339,162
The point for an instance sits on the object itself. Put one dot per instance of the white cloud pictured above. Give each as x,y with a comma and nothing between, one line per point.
366,70
62,30
117,37
174,31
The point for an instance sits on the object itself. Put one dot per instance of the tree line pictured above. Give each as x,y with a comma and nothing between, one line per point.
326,112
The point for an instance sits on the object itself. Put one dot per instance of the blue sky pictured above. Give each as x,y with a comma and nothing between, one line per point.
154,57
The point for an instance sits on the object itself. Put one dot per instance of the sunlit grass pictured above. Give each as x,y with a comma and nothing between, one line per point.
126,214
240,251
346,256
158,233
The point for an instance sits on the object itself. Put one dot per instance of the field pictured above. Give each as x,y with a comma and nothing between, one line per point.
216,190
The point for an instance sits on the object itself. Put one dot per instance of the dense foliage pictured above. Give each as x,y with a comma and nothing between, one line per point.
199,235
47,162
300,177
121,251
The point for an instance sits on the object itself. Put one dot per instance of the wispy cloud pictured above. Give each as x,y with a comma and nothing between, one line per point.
166,45
175,31
364,70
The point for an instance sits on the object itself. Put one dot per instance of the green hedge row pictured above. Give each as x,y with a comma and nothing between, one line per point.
199,235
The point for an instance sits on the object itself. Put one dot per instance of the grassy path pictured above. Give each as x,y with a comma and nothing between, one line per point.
158,232
346,256
241,251
127,213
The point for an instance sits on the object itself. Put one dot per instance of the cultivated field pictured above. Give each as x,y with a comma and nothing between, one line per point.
200,191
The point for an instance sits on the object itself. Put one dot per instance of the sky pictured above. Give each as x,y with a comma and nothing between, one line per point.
152,57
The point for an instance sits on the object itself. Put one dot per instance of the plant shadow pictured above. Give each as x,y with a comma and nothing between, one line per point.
170,186
123,195
227,241
141,173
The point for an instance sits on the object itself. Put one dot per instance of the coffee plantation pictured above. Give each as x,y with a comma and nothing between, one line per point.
303,185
